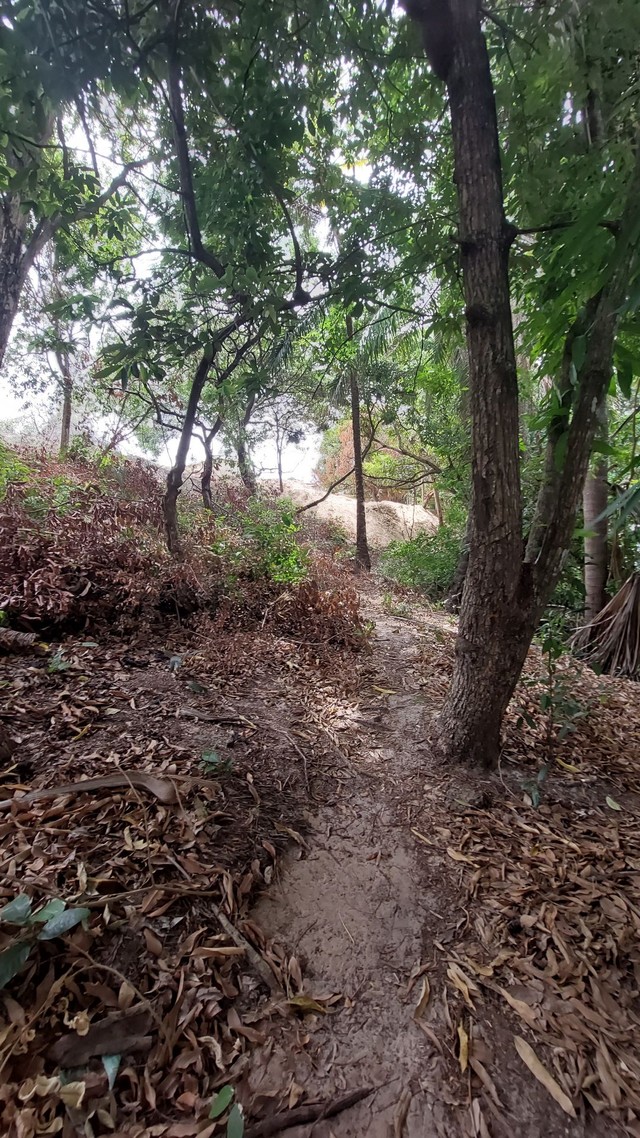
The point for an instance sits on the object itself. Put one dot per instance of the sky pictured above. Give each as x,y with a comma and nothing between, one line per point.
299,461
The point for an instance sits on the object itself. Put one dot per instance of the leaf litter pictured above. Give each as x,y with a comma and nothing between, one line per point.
155,996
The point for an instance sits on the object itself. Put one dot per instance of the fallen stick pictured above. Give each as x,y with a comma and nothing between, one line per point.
253,956
313,1112
161,788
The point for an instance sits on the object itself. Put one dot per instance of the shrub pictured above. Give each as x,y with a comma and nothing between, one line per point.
271,532
428,561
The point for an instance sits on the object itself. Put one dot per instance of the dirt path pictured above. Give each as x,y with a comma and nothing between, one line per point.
369,907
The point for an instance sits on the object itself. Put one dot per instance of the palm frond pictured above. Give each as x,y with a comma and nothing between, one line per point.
611,641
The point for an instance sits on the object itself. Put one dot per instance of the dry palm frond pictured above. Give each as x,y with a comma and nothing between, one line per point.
611,641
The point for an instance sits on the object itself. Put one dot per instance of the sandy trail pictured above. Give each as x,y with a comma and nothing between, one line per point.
367,907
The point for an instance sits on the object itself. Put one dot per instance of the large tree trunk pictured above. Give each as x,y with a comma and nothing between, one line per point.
12,266
495,625
504,595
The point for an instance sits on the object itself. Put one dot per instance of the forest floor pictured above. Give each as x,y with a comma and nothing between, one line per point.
289,896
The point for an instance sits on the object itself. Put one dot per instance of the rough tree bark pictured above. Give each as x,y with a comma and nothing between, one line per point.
504,595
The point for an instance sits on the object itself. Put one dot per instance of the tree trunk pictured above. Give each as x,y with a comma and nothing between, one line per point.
596,560
504,596
12,266
67,397
494,629
454,596
363,560
205,478
245,465
176,474
279,460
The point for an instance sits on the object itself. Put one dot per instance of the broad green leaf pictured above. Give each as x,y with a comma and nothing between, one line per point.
11,961
52,908
17,911
222,1100
235,1125
611,802
63,922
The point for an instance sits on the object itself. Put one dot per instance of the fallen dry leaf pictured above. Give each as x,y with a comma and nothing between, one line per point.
540,1072
424,998
463,1048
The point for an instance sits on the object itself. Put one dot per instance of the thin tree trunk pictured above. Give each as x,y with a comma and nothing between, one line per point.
67,399
245,466
279,461
207,469
363,560
595,498
176,474
596,555
454,596
205,478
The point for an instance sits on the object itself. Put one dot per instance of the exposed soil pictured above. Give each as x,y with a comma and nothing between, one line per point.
408,924
386,521
377,906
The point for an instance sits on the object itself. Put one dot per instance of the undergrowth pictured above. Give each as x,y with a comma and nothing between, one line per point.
83,544
426,562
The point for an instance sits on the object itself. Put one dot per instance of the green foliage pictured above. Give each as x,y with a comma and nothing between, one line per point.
427,562
12,469
51,920
270,532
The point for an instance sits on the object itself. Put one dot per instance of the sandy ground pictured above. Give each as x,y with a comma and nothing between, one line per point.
386,521
363,911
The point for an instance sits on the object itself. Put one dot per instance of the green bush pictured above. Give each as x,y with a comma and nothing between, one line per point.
262,544
272,532
427,562
12,469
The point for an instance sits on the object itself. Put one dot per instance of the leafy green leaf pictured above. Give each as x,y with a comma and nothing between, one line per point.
11,961
611,802
18,911
235,1125
222,1100
52,908
63,922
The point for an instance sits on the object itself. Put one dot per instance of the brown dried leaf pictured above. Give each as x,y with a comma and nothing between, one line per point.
540,1072
424,998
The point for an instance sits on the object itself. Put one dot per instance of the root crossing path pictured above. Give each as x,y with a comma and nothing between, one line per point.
370,911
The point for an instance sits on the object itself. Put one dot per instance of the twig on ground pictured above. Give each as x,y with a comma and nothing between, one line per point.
312,1112
252,955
